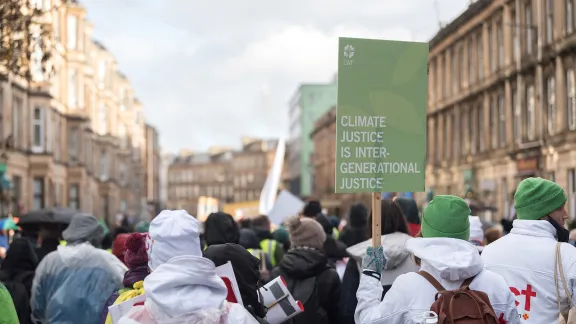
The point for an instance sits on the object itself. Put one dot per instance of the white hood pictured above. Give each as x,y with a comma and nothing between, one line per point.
394,246
182,286
398,260
448,258
78,255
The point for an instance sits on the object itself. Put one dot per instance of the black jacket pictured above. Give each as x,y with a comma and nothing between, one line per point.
300,264
17,272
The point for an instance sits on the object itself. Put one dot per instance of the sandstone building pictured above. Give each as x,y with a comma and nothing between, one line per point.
78,134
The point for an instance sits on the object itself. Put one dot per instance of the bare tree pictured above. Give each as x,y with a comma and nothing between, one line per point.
23,45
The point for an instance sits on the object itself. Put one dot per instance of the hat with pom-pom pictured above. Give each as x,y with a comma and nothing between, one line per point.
306,231
135,254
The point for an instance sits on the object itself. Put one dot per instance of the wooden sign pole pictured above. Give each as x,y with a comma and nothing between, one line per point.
376,219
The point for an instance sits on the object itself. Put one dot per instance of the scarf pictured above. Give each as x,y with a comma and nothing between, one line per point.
134,275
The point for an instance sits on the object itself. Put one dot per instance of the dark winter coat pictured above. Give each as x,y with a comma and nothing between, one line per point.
17,273
301,263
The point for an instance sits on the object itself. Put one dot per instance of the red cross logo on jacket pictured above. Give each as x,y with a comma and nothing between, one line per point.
501,319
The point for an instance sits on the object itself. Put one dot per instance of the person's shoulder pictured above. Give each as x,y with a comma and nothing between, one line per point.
330,273
491,283
490,276
408,280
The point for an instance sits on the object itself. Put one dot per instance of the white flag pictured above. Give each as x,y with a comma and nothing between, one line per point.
270,189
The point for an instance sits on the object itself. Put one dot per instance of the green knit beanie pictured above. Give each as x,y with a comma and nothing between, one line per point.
446,216
537,197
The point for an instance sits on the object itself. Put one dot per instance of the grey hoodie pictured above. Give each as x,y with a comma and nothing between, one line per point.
398,259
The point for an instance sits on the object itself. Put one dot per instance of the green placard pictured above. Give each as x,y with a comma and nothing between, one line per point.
381,116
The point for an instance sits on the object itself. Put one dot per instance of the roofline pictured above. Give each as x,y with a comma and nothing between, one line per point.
472,10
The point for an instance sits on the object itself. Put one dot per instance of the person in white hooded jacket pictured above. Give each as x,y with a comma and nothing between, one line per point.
395,233
182,287
444,252
526,258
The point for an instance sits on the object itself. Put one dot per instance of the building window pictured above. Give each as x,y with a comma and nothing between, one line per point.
73,143
455,136
444,77
504,197
102,119
465,142
36,57
445,144
101,73
72,31
494,118
74,197
72,88
551,94
17,108
530,113
462,66
471,67
122,173
480,128
453,71
528,29
500,44
471,130
549,21
569,16
552,176
480,55
515,40
17,189
491,49
516,113
571,100
104,166
38,130
572,193
38,187
56,22
123,99
502,120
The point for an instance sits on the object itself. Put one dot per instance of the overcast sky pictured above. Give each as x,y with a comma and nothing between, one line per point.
209,72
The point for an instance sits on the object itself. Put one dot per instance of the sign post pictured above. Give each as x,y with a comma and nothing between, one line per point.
381,119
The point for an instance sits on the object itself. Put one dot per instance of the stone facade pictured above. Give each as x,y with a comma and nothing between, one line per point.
78,136
228,175
502,100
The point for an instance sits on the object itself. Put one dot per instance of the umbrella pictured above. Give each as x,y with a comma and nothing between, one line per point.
55,215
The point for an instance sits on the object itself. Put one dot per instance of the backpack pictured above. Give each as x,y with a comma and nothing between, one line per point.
306,291
461,306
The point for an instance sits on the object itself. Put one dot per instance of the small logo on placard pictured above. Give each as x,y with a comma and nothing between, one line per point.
348,51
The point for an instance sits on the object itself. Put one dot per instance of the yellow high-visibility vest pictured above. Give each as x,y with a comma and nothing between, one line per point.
255,252
335,233
269,247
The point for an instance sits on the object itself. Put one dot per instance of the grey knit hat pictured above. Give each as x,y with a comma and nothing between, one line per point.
306,232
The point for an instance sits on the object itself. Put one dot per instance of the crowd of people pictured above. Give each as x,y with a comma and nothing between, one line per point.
441,265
